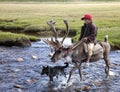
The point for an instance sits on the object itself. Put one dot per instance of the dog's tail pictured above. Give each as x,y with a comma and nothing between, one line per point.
66,65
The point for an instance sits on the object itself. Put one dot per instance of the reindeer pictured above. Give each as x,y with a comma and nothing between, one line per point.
76,53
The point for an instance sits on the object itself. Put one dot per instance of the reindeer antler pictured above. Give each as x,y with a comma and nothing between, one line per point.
67,30
56,43
52,25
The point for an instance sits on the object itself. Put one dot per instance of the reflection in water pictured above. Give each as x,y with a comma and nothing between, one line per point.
24,76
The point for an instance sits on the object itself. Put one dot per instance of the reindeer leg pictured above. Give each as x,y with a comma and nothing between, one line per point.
73,69
107,61
80,72
107,68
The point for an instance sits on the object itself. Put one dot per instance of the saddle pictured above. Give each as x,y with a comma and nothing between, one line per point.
97,48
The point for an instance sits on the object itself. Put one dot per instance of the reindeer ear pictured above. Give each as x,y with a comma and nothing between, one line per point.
61,48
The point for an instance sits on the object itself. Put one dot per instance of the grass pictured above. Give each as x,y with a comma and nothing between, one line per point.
37,0
34,15
5,36
52,0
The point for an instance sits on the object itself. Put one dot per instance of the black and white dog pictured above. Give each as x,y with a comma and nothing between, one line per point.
54,71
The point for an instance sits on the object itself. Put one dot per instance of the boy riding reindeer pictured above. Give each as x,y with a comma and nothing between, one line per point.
88,35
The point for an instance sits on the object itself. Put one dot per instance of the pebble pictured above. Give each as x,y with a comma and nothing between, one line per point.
20,59
15,70
17,86
34,57
32,80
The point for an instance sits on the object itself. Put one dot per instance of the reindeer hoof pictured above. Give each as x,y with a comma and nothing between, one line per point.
108,77
81,79
87,64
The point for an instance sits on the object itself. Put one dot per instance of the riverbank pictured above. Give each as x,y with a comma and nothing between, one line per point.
30,18
12,39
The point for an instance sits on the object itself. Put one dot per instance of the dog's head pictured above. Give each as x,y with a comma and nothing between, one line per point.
44,70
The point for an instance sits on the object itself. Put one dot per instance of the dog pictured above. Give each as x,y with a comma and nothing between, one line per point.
54,71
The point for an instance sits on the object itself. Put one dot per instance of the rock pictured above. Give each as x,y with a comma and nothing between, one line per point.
34,57
30,81
15,70
17,86
20,59
84,88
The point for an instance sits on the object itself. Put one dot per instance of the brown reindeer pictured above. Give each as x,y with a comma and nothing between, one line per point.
77,54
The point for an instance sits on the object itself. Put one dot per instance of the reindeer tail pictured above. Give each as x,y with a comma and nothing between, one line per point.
106,38
66,65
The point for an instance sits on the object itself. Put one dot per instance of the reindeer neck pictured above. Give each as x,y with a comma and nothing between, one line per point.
78,52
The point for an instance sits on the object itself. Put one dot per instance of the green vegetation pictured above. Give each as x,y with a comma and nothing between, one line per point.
5,36
32,17
103,0
35,0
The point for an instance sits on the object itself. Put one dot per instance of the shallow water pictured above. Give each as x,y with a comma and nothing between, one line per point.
26,74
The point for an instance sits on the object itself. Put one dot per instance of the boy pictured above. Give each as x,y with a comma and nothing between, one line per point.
88,34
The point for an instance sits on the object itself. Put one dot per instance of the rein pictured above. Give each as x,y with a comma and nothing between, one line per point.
67,52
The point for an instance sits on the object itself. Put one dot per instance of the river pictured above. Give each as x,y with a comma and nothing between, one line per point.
20,70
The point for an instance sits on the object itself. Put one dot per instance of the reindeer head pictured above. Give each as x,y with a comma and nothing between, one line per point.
60,53
64,52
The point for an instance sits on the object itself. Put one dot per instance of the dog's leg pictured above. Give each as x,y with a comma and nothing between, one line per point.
73,69
57,76
51,78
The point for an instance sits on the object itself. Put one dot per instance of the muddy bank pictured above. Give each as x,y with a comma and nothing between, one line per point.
12,39
115,47
21,42
20,72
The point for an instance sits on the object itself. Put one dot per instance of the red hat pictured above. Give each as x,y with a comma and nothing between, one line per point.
87,16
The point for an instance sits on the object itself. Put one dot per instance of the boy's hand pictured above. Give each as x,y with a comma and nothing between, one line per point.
85,39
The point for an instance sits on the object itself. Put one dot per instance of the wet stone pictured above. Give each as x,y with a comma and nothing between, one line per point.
15,70
34,57
18,86
20,59
83,88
